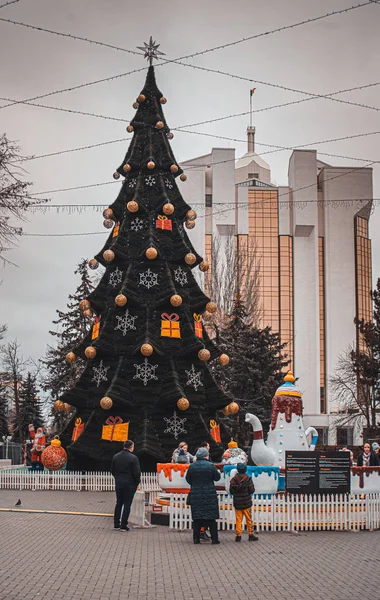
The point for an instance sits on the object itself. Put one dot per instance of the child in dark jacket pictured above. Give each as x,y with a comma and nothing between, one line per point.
242,488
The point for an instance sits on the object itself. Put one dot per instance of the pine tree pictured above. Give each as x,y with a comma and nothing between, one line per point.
30,409
72,326
255,368
4,430
147,352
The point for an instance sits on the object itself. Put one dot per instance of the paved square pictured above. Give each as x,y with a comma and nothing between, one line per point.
71,557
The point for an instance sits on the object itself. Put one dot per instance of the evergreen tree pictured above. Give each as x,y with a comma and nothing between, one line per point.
4,430
255,369
30,409
147,352
72,326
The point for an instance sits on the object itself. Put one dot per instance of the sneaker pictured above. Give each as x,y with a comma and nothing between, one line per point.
253,538
116,526
124,528
238,538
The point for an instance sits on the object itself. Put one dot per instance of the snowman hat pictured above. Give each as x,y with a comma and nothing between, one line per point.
288,388
232,444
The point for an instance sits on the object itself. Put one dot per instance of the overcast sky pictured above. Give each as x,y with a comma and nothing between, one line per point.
332,54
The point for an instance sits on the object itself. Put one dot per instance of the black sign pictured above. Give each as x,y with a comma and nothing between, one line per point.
318,472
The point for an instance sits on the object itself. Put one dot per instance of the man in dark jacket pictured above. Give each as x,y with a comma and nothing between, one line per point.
242,488
203,498
125,468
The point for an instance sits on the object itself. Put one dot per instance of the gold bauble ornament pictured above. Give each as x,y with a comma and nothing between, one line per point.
207,316
204,354
170,135
121,300
191,214
108,255
108,213
168,208
233,408
224,359
66,407
84,304
190,258
183,177
190,224
151,165
176,300
127,168
70,357
90,352
54,457
183,404
132,206
141,98
163,100
93,264
135,105
146,349
116,175
130,128
159,124
88,313
58,406
204,266
174,169
108,223
211,307
226,410
106,403
151,253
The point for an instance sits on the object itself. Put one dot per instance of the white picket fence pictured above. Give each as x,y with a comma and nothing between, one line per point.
290,512
70,481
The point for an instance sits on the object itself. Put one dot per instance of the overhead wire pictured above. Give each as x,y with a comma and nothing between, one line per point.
8,3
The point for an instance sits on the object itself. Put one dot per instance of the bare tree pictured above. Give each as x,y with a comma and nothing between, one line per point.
235,269
15,199
13,367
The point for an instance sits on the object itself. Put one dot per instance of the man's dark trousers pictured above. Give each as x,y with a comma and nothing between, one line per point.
124,498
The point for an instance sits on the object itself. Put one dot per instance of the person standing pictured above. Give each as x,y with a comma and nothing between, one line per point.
125,468
367,458
203,498
242,488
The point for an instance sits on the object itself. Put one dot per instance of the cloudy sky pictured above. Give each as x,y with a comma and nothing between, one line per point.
332,54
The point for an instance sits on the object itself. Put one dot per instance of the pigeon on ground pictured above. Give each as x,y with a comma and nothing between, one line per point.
18,503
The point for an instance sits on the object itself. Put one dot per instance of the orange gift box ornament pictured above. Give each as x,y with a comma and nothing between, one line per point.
79,426
198,328
115,232
163,222
95,328
170,326
215,432
115,430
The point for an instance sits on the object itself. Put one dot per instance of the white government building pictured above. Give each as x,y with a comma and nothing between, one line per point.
311,237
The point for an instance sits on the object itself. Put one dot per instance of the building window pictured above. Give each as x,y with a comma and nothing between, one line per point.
253,175
208,200
363,273
323,436
344,436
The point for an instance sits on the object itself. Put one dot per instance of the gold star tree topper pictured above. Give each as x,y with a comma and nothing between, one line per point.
151,50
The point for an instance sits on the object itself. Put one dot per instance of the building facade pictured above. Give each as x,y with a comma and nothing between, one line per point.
312,243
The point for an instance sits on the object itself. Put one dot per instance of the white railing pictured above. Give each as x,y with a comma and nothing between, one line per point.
288,512
94,481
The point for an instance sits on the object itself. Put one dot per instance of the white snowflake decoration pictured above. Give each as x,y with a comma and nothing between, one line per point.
145,372
132,182
194,378
150,180
100,373
168,183
175,425
148,278
116,277
125,323
180,276
137,224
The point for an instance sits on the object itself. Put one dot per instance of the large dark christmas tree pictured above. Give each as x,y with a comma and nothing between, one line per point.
147,351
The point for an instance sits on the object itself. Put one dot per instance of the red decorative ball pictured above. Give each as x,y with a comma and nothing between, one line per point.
54,458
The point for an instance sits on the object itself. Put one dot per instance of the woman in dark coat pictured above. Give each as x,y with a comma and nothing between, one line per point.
367,458
202,497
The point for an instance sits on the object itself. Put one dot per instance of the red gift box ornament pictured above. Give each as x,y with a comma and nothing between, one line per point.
163,222
115,232
198,328
79,426
95,328
215,432
170,326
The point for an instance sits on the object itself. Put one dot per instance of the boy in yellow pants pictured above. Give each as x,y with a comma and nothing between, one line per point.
242,488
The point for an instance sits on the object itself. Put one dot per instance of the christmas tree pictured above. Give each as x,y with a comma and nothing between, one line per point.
30,409
147,375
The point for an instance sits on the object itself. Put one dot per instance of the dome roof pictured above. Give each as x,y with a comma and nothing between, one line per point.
246,160
288,388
